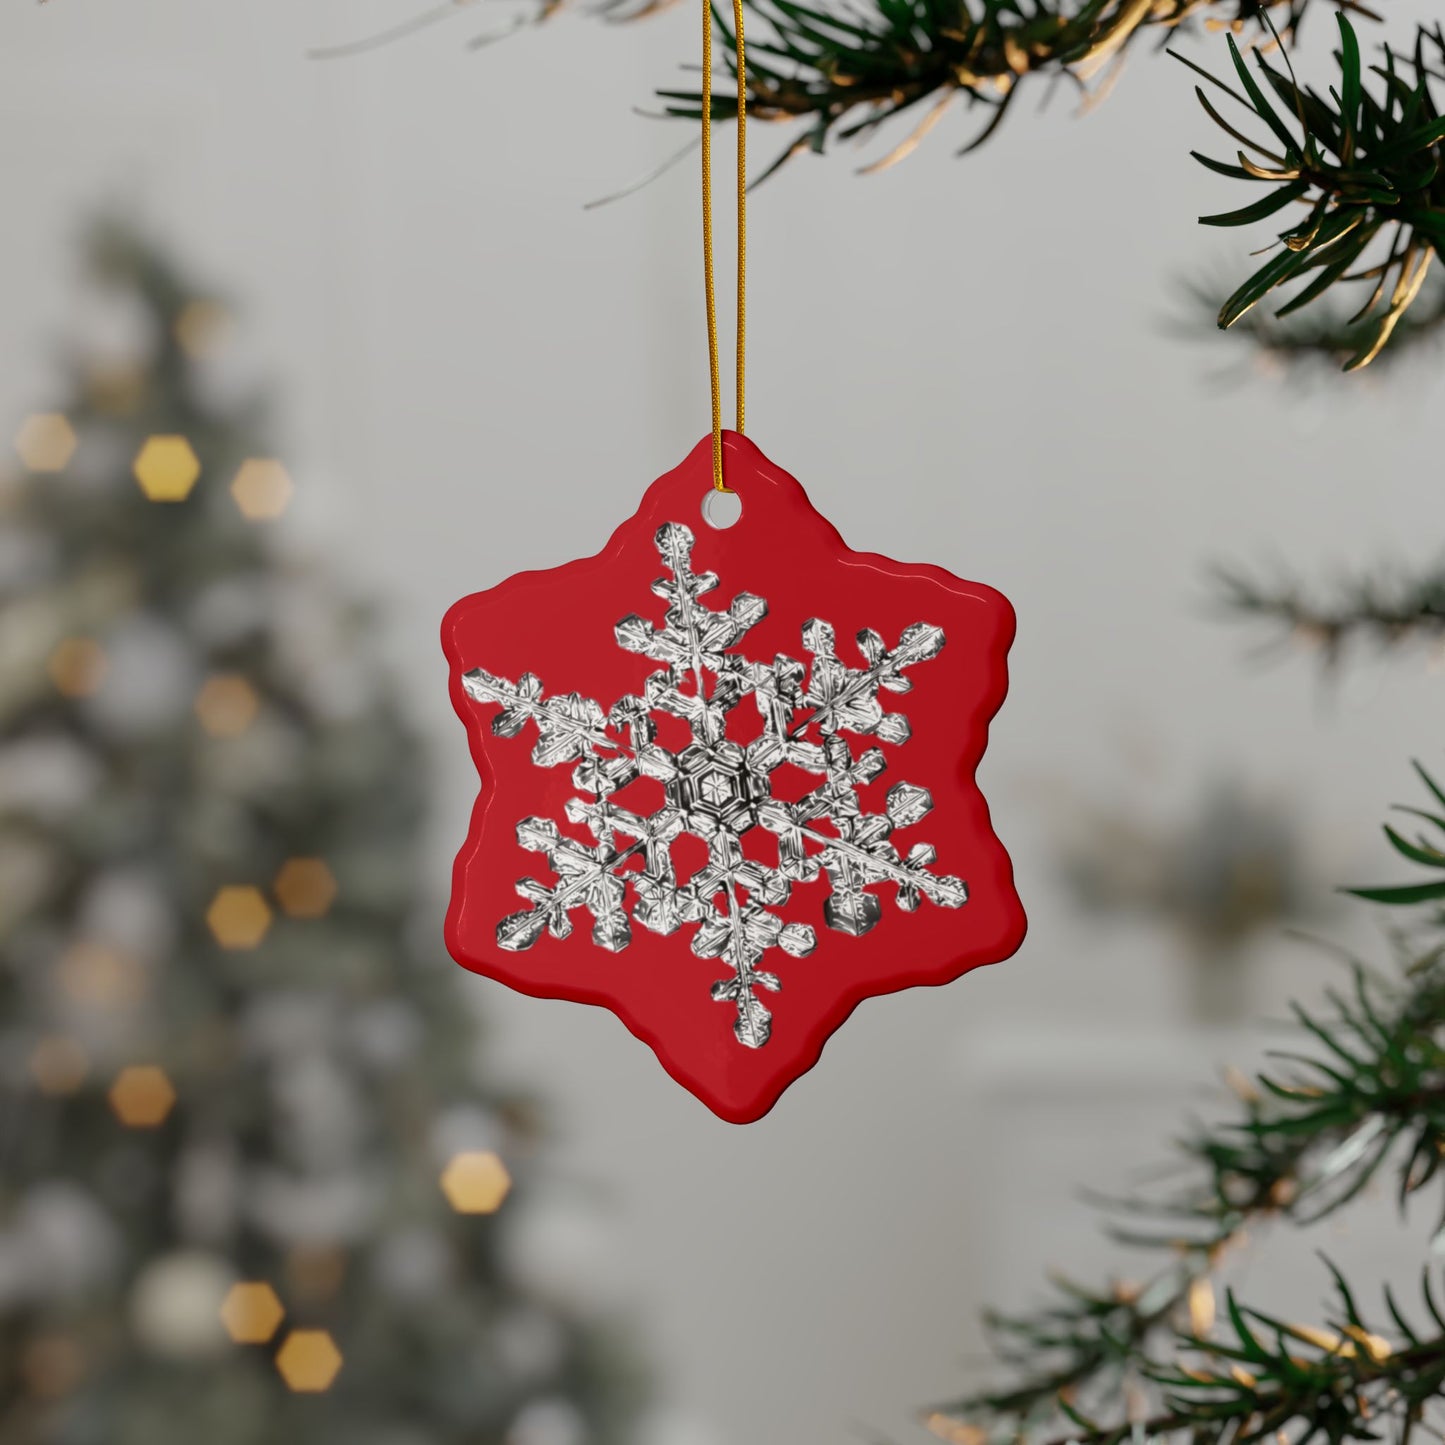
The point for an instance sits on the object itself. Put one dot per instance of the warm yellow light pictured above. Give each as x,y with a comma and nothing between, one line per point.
238,916
166,468
100,976
58,1065
251,1312
227,705
309,1361
262,489
77,667
305,888
476,1182
46,442
142,1096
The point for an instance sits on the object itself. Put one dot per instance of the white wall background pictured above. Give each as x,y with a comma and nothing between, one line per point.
967,362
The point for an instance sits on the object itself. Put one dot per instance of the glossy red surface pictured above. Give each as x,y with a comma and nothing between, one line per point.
559,625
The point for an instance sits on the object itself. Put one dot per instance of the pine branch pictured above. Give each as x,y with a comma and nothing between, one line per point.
1423,849
1267,1376
1137,1370
843,71
1348,1383
1365,1092
1386,611
1309,345
1366,166
1362,159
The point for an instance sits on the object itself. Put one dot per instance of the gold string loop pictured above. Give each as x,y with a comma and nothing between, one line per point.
742,234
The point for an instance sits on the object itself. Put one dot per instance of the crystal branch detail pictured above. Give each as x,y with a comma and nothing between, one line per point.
717,790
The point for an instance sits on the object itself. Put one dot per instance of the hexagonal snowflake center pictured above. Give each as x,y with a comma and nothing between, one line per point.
716,790
717,787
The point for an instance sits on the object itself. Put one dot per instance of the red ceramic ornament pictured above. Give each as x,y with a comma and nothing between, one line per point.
728,780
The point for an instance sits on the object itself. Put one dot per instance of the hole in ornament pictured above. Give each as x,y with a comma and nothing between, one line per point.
721,509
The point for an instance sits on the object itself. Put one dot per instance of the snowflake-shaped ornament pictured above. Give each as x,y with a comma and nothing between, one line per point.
734,795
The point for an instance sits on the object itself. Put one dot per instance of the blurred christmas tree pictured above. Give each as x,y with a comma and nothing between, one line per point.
248,1167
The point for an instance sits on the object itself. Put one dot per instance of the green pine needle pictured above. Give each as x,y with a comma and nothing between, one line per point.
1361,1096
1364,161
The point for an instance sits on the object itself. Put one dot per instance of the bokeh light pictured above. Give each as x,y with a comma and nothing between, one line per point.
227,705
305,888
262,489
77,667
58,1065
166,468
476,1182
252,1312
142,1096
309,1361
100,976
239,917
45,442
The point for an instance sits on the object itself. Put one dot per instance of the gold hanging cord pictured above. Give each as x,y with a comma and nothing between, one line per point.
742,240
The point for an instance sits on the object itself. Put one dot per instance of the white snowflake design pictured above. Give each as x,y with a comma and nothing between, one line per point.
717,790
